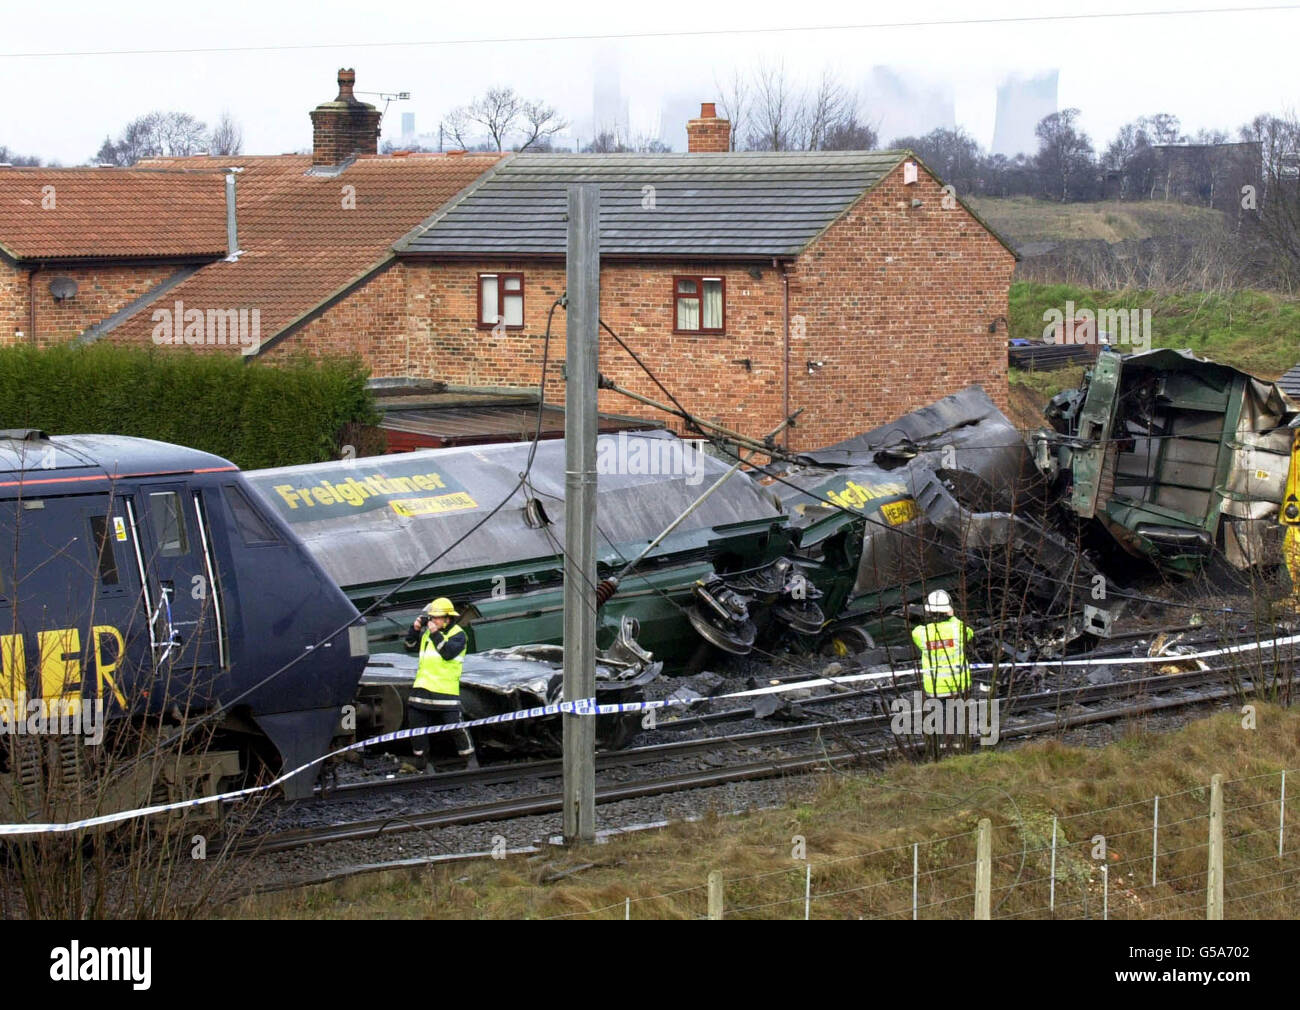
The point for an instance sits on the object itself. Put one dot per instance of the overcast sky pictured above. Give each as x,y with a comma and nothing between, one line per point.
1212,70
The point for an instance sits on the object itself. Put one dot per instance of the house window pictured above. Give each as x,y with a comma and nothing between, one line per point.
501,300
699,305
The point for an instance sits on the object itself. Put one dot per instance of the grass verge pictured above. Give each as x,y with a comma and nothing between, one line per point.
1256,331
1023,219
859,829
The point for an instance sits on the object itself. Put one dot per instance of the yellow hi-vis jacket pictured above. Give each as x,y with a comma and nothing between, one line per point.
944,669
436,674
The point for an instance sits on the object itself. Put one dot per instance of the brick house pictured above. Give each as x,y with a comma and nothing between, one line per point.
284,236
845,283
849,284
78,245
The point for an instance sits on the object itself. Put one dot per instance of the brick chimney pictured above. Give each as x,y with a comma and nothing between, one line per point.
343,127
708,133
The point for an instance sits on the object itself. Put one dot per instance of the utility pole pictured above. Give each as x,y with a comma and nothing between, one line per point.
582,319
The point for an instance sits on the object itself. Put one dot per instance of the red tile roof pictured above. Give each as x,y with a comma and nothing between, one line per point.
305,238
115,213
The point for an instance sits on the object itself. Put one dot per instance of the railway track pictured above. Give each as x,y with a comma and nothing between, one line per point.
840,742
515,771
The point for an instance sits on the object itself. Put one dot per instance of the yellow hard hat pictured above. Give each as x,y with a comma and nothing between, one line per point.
441,607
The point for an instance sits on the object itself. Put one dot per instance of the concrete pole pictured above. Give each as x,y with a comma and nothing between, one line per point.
1214,874
1281,816
916,848
1155,840
582,320
984,870
1052,899
715,894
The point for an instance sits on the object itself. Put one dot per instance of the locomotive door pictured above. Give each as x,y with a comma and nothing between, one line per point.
181,600
66,596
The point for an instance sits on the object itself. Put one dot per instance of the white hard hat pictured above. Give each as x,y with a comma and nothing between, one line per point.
938,602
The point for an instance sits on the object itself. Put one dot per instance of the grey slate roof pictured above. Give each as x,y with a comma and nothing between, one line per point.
1290,383
740,204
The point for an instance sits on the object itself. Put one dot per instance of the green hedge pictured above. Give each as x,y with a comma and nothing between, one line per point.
253,413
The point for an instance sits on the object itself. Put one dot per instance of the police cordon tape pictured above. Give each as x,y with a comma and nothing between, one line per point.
584,706
589,706
1172,657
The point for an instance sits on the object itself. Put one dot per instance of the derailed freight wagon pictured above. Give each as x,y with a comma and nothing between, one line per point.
1178,458
373,523
395,531
944,497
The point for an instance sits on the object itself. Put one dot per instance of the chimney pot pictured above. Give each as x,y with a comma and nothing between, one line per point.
347,78
708,133
344,127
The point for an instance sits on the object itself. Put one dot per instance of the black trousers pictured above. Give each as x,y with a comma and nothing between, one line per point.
424,708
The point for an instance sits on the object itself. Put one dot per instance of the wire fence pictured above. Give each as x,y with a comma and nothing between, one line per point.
1225,849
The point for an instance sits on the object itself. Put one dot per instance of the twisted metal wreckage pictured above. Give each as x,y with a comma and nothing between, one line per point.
1176,458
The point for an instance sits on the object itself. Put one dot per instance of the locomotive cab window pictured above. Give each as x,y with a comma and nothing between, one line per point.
168,523
102,545
252,527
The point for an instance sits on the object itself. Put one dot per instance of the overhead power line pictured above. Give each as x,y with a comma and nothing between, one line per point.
669,34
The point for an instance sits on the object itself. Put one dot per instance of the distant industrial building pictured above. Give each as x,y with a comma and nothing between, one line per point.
1022,104
907,105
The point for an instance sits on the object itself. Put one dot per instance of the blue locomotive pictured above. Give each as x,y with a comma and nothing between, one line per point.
145,584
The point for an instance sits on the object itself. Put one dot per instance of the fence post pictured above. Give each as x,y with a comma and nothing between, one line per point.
715,894
984,869
1214,873
627,908
1155,841
916,846
1105,893
1281,816
1051,899
807,892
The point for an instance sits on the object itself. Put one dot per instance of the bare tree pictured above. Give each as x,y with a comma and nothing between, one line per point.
227,136
8,157
154,135
1064,154
1131,157
606,142
850,135
457,125
180,134
735,99
953,155
497,111
1165,130
776,110
541,122
503,114
769,111
825,109
1277,209
1210,161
